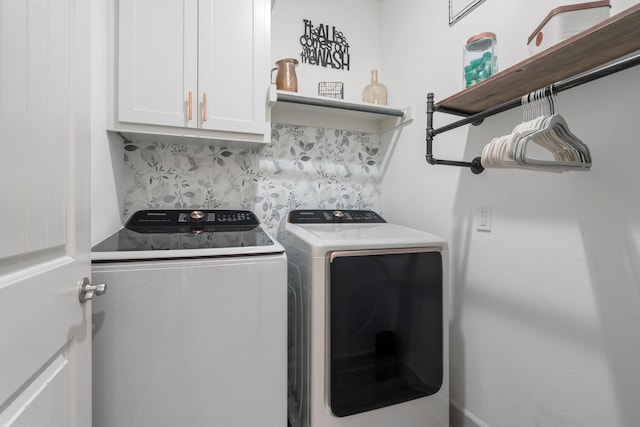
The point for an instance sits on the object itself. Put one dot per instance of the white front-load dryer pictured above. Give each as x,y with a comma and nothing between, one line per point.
368,331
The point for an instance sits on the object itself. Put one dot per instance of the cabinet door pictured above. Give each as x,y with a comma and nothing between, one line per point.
233,65
157,68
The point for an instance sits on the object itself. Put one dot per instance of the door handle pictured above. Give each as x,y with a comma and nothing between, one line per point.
88,291
204,107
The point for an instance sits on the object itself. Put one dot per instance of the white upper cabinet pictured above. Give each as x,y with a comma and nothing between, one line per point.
192,68
157,61
233,54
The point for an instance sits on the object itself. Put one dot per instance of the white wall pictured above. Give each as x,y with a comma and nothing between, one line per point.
358,20
107,152
545,307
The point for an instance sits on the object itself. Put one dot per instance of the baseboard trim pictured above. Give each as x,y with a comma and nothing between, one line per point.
461,417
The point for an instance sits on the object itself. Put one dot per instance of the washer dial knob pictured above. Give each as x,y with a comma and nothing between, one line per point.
196,216
337,214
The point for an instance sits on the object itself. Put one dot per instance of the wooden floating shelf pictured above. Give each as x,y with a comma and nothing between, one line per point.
601,44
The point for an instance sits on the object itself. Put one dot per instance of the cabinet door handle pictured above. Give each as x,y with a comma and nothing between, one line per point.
189,108
204,107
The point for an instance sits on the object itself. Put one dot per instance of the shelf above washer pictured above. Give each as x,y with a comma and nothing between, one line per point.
291,107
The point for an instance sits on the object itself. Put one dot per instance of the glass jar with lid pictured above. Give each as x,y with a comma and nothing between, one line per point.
480,58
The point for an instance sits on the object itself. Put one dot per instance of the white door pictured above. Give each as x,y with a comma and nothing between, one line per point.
45,336
233,70
157,62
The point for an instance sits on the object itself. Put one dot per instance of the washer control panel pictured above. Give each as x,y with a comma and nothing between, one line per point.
180,218
331,216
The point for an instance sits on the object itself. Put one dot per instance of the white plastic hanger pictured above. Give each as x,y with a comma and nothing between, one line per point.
542,126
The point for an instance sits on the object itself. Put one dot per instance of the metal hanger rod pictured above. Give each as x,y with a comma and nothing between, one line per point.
475,165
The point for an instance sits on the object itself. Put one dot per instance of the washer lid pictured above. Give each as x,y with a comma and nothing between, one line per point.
365,234
319,239
154,234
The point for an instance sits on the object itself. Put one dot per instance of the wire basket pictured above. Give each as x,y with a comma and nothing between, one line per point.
331,89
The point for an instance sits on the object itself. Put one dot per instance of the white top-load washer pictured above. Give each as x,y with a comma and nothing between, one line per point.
192,328
368,329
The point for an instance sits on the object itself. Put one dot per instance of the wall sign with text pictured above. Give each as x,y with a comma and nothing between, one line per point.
324,46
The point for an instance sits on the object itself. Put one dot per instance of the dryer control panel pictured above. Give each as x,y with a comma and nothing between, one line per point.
332,216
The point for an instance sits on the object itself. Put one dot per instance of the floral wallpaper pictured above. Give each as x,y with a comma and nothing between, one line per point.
302,168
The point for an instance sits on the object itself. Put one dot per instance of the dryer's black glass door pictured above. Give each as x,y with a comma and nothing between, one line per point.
386,329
